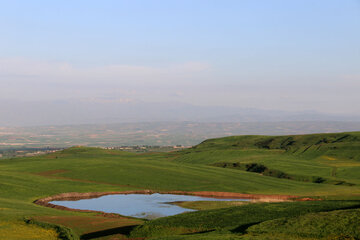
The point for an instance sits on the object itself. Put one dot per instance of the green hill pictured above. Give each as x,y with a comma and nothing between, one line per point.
333,157
318,165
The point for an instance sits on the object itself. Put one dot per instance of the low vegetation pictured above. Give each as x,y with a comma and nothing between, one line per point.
235,219
263,170
264,165
342,224
207,205
19,230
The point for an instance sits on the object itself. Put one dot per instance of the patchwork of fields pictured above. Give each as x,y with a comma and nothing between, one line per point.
325,166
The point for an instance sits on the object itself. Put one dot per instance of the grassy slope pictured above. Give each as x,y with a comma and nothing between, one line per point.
14,230
333,156
208,205
235,219
156,171
343,223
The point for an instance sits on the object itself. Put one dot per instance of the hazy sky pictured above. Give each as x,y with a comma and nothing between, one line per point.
268,54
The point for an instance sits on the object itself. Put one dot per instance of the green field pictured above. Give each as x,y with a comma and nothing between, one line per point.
325,166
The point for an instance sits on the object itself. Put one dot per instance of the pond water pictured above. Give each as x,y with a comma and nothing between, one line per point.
149,206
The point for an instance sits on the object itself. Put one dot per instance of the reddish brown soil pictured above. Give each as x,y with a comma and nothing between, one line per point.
51,172
246,196
77,196
103,222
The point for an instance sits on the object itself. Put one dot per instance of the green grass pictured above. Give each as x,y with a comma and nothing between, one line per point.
157,172
18,230
207,205
334,157
331,156
341,223
236,219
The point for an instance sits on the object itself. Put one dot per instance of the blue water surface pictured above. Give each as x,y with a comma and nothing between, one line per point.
148,206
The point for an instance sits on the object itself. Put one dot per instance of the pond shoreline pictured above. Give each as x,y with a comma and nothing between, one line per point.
72,196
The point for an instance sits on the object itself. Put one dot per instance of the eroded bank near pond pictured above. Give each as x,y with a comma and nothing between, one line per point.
146,204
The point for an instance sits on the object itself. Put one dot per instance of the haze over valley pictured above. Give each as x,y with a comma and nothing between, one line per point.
180,120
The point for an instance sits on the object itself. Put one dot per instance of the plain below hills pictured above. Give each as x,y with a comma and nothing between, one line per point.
155,133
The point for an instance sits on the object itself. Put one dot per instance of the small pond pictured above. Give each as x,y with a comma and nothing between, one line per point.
149,206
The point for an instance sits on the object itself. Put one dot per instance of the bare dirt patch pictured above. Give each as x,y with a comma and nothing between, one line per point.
78,196
259,197
51,172
117,226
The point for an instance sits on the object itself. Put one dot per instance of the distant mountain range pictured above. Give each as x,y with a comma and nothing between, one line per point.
39,113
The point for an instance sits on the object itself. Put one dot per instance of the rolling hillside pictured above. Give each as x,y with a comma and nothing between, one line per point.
334,157
323,166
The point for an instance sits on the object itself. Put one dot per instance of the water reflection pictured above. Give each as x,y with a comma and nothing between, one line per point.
148,206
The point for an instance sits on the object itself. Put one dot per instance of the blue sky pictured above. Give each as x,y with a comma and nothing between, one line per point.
270,54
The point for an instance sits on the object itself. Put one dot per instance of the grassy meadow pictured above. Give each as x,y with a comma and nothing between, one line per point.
325,166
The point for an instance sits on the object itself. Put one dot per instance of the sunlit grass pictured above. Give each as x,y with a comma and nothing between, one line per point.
82,169
17,230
